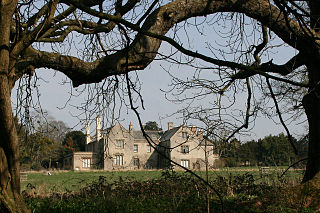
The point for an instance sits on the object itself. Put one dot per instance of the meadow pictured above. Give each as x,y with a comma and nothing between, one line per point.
64,181
241,189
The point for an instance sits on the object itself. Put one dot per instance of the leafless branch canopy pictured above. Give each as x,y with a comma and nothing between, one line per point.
83,40
57,21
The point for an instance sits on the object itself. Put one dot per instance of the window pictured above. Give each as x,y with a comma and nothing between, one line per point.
184,135
118,160
119,144
185,163
136,162
86,162
135,148
148,148
185,149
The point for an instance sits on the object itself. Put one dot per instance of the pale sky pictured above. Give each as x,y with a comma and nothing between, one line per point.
154,78
54,95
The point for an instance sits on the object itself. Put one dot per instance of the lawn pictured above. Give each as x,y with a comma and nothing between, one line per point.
65,181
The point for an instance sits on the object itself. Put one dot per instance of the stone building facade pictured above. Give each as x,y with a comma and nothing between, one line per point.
118,148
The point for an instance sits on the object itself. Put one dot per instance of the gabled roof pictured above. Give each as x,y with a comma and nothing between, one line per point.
137,134
169,133
107,130
209,142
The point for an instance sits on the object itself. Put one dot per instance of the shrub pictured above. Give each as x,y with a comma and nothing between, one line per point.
36,166
179,192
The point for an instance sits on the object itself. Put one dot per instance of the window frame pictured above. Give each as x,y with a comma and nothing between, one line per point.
86,162
119,144
185,149
184,135
136,162
185,163
118,160
135,148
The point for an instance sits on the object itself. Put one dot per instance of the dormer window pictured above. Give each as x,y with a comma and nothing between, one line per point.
119,144
184,135
185,149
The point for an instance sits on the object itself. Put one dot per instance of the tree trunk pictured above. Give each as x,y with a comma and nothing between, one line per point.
10,198
311,104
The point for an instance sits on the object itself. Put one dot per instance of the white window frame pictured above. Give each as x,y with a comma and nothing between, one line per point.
185,163
118,160
86,162
148,148
135,148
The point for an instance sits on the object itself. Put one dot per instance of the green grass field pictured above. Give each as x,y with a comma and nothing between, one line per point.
73,181
64,181
241,189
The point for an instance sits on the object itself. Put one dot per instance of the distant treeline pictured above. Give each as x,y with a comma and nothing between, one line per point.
269,151
45,144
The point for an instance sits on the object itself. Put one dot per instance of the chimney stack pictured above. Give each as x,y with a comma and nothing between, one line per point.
170,125
130,127
98,128
88,139
200,134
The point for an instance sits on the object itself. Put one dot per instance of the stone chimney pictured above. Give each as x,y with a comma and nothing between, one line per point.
98,128
170,125
200,134
88,139
130,127
194,129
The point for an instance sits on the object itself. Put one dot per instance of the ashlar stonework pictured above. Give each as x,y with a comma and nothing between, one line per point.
117,148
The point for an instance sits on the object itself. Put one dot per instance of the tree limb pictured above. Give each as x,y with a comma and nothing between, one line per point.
144,47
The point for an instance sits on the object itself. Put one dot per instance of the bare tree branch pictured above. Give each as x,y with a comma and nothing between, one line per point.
280,117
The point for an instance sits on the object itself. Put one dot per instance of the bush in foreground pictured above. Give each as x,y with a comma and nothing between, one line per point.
179,193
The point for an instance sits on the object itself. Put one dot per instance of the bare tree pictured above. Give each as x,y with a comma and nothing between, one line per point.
39,34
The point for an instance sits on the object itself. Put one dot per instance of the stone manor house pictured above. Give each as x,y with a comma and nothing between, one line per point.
122,149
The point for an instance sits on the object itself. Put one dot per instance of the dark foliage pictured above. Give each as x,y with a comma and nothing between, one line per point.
176,192
269,151
76,140
152,125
